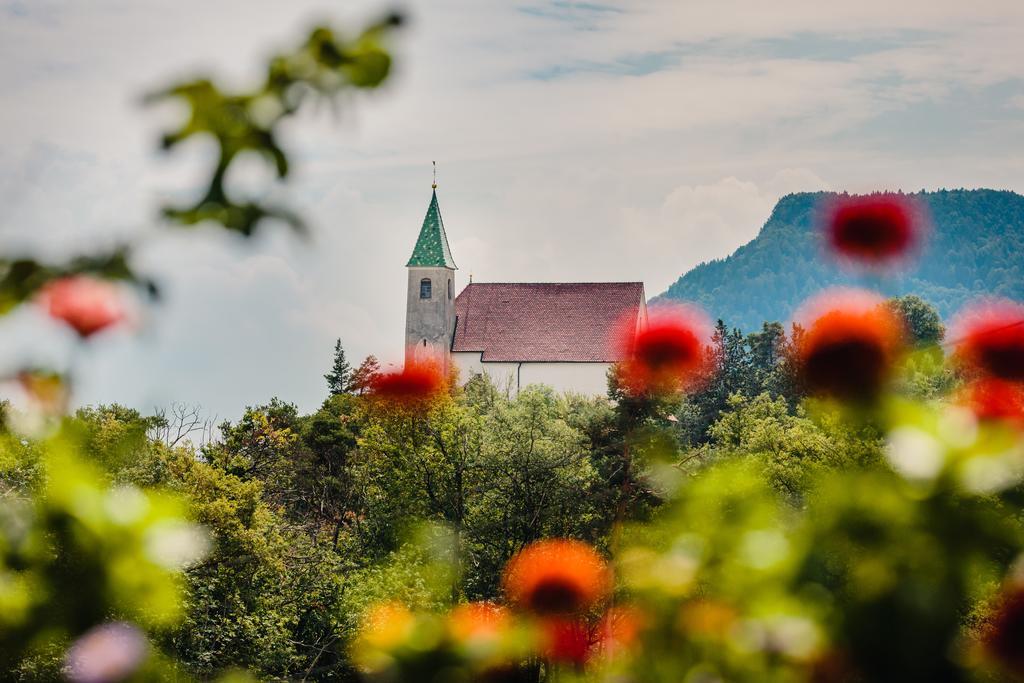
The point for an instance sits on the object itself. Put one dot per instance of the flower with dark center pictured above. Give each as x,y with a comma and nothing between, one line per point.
850,344
667,354
556,576
1003,636
994,399
872,230
416,383
85,303
989,339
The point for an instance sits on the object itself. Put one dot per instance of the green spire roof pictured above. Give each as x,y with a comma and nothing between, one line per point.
431,249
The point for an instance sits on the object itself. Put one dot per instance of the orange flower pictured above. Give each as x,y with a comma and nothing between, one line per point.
990,339
873,230
417,382
994,399
557,576
668,354
86,304
850,345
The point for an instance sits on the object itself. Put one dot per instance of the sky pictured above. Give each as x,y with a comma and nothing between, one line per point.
575,141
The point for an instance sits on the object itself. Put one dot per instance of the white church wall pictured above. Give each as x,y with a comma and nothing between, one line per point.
503,375
581,378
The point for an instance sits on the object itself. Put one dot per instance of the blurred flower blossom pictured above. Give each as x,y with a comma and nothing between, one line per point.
566,640
989,339
417,382
793,636
850,345
87,304
46,390
991,399
668,354
914,453
985,473
40,398
873,230
557,576
176,544
106,654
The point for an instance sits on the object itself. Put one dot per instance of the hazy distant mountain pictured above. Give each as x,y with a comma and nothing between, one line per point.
976,247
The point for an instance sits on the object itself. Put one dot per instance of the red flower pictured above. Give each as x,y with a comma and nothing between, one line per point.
1004,636
668,354
556,576
990,339
86,304
849,346
874,230
419,381
566,640
995,399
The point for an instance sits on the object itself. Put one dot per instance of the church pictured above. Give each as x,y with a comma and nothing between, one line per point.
562,334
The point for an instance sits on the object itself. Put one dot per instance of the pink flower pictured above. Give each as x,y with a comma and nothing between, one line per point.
85,303
106,654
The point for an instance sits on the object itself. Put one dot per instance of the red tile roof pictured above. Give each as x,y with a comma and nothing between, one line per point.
547,321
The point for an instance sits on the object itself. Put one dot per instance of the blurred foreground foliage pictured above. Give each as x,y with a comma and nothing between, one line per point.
325,65
811,543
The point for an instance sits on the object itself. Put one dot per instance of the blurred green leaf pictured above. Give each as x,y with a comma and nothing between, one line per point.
325,64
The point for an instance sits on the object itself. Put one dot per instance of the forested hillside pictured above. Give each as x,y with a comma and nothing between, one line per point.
975,248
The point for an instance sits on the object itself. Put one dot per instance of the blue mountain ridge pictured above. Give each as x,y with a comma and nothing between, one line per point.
975,248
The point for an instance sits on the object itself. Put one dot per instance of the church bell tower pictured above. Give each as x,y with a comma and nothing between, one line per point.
430,298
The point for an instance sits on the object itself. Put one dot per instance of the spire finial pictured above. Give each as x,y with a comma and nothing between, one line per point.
434,184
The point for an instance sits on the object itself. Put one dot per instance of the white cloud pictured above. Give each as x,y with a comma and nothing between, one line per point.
696,223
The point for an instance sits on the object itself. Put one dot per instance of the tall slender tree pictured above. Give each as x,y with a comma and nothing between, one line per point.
338,377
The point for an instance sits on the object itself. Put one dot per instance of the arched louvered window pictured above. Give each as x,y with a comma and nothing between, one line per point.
425,292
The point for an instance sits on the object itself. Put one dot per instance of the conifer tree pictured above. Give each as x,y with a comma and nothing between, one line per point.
338,377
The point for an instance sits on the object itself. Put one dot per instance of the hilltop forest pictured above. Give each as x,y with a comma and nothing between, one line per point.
975,248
